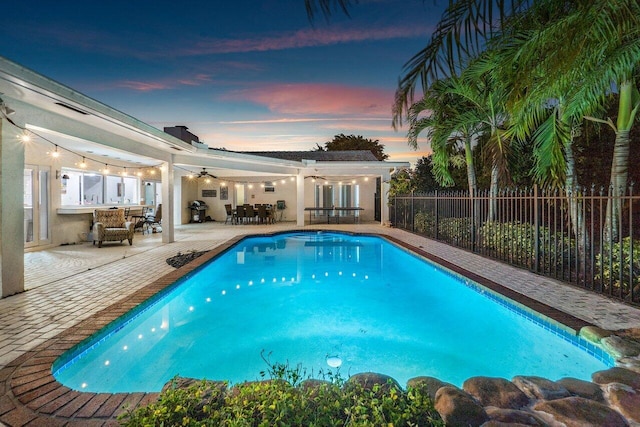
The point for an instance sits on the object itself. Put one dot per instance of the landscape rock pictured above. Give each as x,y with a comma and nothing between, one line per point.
580,412
631,363
581,388
430,384
368,380
458,408
620,347
630,333
594,333
183,382
540,388
625,399
313,384
514,416
617,375
494,423
497,392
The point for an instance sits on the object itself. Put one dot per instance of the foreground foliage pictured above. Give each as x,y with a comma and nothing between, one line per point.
287,400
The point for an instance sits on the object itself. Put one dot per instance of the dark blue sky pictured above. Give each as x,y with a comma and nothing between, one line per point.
241,74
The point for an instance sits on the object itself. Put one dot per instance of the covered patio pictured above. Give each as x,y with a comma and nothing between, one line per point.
64,155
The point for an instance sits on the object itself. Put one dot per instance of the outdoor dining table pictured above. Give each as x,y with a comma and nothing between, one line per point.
335,210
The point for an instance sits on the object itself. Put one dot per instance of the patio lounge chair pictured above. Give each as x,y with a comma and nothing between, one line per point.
153,222
111,225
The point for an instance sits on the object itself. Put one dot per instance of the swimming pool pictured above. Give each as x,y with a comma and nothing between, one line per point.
321,300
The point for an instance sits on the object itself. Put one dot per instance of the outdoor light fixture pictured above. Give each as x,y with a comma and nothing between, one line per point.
55,154
83,164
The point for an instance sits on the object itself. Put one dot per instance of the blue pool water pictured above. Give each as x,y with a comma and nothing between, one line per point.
322,300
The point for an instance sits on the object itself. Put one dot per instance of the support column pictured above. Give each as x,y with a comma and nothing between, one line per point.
11,212
384,199
300,199
168,214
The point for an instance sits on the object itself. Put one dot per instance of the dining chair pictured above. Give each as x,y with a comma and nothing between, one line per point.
229,213
240,214
250,213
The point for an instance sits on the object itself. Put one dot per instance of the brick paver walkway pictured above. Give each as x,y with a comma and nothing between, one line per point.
72,291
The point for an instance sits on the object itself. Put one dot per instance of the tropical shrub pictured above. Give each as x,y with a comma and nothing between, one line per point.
287,400
425,223
608,266
515,241
457,231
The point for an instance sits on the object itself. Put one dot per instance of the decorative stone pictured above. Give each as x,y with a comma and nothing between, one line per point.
630,333
183,382
617,375
496,392
620,347
313,384
430,384
458,408
580,412
494,423
214,390
540,388
625,399
594,334
581,388
631,363
368,380
513,416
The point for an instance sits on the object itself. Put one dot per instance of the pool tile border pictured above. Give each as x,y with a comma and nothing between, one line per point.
30,395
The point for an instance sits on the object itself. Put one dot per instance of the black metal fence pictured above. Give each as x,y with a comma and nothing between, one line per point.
560,234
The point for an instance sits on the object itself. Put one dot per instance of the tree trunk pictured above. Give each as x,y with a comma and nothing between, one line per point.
493,193
627,110
576,214
619,175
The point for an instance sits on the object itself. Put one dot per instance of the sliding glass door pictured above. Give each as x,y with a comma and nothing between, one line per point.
36,205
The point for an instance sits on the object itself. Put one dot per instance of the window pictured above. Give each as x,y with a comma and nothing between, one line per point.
80,188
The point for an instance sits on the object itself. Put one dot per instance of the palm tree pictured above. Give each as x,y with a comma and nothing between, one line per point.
574,57
464,108
436,115
461,35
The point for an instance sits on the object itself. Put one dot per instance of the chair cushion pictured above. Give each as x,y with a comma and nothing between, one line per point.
113,218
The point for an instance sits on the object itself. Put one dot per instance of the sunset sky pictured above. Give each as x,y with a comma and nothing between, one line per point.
242,75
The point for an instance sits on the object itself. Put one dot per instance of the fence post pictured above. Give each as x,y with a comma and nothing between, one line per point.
631,282
413,215
473,220
536,227
437,216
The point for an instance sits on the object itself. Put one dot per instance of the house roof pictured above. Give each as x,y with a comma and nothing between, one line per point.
322,156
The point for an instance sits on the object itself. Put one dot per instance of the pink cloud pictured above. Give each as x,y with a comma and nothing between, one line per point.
142,86
196,80
319,99
303,38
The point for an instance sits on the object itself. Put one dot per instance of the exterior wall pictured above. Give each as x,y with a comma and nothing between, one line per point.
189,193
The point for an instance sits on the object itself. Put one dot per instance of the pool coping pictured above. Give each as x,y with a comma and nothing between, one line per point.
30,394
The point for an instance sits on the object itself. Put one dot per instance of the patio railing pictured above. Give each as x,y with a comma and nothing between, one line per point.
560,234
